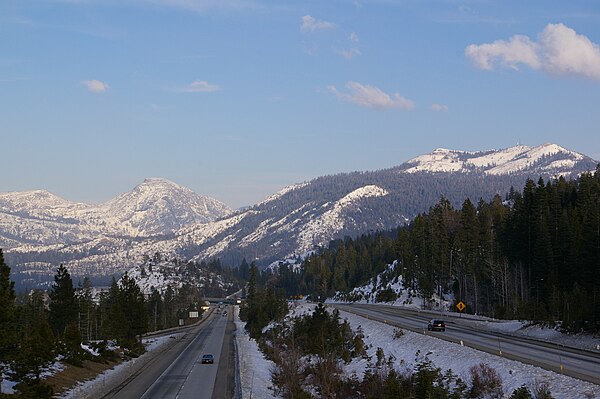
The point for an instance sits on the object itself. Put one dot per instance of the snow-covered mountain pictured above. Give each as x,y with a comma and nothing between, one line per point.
38,219
38,231
159,207
546,159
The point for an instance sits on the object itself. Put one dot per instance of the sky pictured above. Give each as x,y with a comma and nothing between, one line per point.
236,99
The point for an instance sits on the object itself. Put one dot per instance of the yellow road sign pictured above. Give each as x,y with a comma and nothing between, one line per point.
461,306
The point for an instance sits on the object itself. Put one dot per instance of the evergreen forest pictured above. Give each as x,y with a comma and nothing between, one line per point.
533,255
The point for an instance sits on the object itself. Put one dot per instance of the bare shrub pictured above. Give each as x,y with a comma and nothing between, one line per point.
326,375
541,391
288,375
398,332
485,381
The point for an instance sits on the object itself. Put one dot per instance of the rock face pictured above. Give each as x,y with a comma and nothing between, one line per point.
39,230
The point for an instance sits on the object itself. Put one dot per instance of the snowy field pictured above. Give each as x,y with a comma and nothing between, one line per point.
409,350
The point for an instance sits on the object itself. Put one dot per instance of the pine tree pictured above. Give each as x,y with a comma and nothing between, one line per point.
63,307
133,306
36,352
8,326
113,320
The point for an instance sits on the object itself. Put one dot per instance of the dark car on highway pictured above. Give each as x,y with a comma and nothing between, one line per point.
435,324
208,359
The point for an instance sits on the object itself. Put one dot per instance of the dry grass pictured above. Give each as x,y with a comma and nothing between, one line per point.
72,375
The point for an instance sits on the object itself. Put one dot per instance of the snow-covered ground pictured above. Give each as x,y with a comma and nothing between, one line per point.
7,385
255,369
447,355
409,350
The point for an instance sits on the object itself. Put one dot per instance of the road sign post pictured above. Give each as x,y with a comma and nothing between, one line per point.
460,306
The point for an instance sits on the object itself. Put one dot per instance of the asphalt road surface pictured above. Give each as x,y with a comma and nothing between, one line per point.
179,373
581,364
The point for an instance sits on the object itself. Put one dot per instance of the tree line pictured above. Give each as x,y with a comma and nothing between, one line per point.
533,255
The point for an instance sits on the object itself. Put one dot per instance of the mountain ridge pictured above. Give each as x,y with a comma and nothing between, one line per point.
297,219
495,162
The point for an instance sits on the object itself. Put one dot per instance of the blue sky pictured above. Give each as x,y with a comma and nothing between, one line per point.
236,99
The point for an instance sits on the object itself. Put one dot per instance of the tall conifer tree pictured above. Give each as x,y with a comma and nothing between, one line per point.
63,307
8,328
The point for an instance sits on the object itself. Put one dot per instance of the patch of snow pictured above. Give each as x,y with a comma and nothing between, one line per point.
258,234
440,160
89,350
7,386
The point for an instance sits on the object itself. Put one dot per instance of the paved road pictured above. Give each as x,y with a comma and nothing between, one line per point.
178,373
584,365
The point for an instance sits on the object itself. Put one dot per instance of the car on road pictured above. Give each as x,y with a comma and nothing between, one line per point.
436,325
207,358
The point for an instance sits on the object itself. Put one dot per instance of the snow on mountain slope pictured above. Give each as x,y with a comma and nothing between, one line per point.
41,218
160,274
159,206
320,230
282,192
39,204
439,160
260,231
155,207
546,158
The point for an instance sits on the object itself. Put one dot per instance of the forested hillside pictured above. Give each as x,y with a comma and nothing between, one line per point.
533,255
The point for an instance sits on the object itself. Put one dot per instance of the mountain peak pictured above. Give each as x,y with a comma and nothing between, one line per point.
546,159
158,206
159,180
35,199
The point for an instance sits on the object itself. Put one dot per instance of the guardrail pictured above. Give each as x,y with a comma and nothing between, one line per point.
237,389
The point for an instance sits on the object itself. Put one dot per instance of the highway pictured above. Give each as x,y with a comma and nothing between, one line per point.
581,364
179,373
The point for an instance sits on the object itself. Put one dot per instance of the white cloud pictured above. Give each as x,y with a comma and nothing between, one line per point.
310,24
518,50
349,53
95,86
372,97
353,37
567,52
439,107
200,86
559,51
